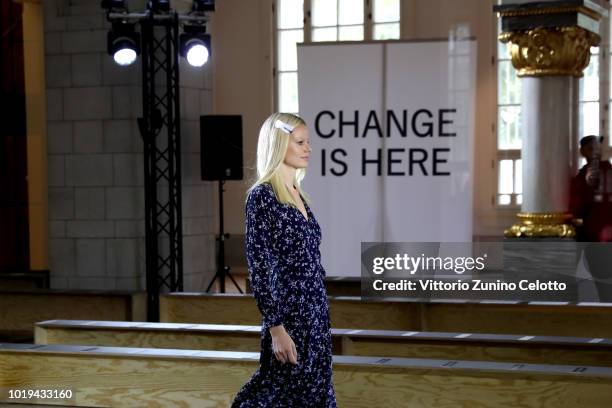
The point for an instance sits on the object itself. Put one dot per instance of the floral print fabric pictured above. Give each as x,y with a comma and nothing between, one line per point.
287,278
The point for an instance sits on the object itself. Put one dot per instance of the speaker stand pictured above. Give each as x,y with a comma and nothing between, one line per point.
222,269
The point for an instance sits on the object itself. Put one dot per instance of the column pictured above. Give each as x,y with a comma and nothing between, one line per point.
550,48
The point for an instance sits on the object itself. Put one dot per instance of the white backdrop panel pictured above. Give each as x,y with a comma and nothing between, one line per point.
347,93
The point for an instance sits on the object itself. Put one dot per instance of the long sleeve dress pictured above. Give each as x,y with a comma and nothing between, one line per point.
286,274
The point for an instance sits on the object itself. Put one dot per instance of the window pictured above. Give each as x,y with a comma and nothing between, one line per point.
588,100
589,97
509,180
328,20
337,20
290,31
386,19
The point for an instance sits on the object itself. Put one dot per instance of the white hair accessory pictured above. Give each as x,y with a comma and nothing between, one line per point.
279,124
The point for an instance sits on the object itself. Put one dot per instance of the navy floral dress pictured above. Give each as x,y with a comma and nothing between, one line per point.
286,274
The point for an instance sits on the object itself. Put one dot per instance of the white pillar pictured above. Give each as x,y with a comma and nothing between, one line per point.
548,126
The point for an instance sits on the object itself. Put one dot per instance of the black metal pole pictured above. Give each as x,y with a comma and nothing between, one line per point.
163,215
223,271
221,256
148,136
178,203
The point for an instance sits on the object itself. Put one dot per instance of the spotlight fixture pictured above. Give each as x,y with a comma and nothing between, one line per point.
201,6
158,6
195,45
113,5
123,43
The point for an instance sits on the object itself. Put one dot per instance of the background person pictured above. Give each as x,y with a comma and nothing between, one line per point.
591,193
591,200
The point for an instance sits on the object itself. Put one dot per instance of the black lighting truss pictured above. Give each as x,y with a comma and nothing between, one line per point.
161,134
160,131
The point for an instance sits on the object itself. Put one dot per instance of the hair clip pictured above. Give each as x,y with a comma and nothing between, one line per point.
279,124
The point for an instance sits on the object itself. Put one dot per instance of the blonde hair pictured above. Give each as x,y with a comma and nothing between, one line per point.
271,149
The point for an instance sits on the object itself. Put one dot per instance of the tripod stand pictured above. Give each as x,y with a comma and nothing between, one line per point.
222,269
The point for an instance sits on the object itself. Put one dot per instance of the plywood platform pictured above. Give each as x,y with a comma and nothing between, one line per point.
133,377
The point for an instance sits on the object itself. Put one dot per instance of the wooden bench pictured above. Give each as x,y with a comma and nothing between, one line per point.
504,317
24,280
116,376
343,285
438,345
241,309
21,309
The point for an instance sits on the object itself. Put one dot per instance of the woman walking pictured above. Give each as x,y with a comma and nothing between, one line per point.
282,247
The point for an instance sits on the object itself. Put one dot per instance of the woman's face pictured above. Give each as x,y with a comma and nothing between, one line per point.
298,151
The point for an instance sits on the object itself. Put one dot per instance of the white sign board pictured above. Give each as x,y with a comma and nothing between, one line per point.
391,127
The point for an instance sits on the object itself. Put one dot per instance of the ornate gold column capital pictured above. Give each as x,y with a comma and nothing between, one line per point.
550,51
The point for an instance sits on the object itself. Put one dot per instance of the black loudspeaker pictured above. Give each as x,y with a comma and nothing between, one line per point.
221,147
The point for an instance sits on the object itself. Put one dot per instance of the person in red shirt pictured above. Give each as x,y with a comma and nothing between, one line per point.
591,193
591,201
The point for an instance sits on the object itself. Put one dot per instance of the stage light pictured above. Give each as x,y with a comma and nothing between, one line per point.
123,43
159,6
197,55
125,56
195,45
196,52
201,6
113,4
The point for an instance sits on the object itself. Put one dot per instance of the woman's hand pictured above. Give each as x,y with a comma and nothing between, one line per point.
283,345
